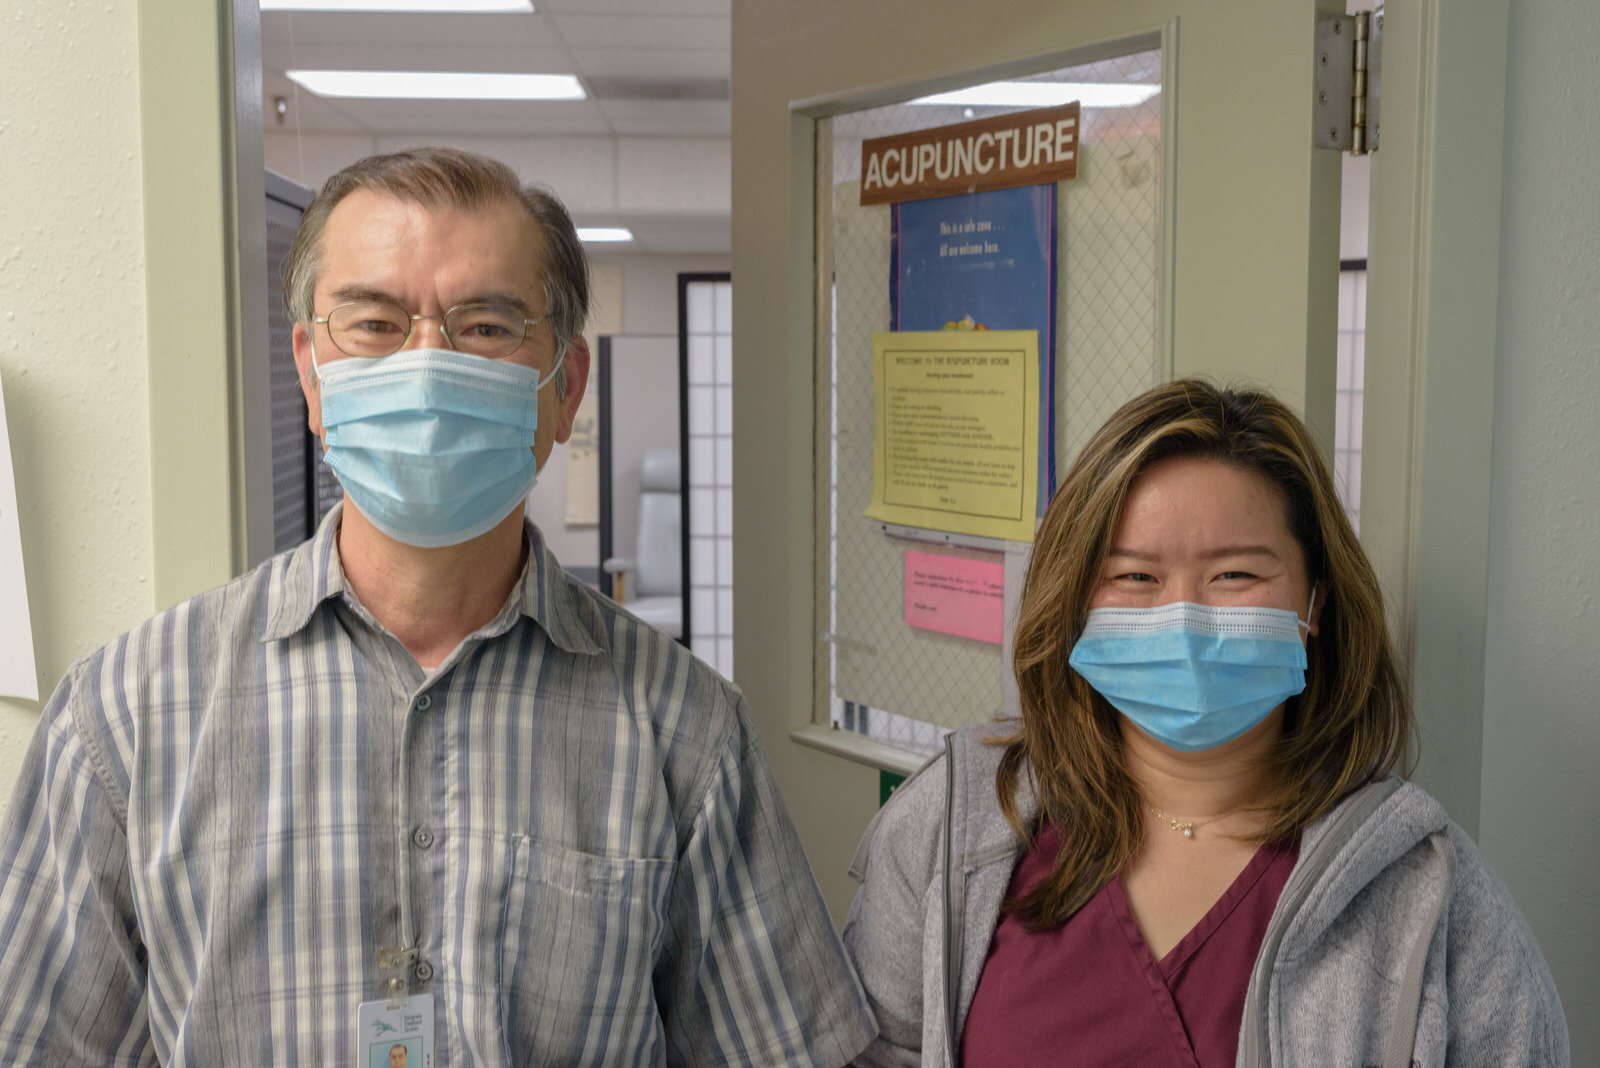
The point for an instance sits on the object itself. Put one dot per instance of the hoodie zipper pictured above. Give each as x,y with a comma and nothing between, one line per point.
952,924
955,901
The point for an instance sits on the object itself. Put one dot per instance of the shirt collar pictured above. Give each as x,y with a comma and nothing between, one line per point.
545,593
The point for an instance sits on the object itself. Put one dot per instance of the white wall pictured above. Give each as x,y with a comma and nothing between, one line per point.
1541,731
650,286
72,252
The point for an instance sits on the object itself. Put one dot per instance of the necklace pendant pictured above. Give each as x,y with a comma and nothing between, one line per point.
1188,832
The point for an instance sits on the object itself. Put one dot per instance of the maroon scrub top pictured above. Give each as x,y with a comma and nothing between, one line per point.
1089,991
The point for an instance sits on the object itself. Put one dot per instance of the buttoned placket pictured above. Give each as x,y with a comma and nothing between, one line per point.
398,963
401,960
424,731
419,738
411,817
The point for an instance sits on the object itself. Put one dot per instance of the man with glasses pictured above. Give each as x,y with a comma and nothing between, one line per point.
411,780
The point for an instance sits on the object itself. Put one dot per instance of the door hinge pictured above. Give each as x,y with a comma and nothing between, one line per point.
1348,54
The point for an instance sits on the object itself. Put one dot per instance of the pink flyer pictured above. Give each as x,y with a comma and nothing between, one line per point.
966,598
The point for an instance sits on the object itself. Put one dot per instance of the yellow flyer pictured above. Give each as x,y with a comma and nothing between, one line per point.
957,430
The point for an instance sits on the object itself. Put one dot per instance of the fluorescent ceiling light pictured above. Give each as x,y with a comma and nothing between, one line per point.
447,7
437,85
1044,94
604,233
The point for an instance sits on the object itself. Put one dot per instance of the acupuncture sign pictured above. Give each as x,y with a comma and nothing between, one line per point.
1031,147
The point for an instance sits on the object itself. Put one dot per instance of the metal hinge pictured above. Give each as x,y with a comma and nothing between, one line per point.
1348,54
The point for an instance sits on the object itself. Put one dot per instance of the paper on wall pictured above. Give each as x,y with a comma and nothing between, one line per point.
956,435
957,596
18,675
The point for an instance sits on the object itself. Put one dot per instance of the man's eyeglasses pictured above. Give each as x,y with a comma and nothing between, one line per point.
379,328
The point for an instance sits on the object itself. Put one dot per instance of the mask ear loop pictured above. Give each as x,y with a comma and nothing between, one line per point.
1306,622
311,339
561,357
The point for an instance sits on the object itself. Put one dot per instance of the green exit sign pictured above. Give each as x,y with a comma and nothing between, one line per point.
888,783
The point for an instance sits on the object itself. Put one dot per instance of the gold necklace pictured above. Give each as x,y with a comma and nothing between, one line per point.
1186,826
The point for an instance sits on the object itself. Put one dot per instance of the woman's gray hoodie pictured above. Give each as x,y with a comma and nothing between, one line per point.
1393,943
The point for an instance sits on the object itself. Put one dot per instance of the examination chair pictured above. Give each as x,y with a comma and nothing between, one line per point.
657,568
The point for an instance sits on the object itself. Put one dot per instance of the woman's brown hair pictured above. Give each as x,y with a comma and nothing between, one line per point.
1351,725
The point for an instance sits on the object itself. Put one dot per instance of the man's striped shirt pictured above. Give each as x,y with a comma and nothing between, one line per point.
569,826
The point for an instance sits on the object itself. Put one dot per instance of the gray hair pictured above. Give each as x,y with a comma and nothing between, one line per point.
448,177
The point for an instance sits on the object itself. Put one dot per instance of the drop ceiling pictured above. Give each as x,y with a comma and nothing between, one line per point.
656,72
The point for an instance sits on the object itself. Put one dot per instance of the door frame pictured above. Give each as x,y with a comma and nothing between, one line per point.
1433,287
685,280
205,284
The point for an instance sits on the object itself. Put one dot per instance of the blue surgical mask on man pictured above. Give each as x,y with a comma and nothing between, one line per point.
435,447
1193,676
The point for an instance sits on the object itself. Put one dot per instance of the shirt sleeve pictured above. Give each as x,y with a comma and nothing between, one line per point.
73,970
752,971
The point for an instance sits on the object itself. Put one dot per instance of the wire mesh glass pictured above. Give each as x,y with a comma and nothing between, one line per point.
884,679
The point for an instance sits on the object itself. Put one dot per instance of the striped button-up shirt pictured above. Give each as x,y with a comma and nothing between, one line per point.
230,812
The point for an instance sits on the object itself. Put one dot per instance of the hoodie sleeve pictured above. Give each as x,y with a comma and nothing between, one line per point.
886,935
1503,1007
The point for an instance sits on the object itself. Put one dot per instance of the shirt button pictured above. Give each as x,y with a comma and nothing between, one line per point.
424,971
424,702
422,837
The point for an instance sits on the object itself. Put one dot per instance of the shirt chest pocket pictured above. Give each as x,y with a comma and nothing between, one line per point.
579,938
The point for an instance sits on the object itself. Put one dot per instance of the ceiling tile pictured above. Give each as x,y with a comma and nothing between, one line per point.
668,110
311,159
497,117
670,127
306,111
703,233
422,56
668,175
653,62
644,31
308,29
580,170
722,8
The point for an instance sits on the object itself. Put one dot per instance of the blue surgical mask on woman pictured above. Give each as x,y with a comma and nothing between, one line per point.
433,446
1193,676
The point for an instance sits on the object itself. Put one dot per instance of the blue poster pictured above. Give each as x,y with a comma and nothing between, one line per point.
983,261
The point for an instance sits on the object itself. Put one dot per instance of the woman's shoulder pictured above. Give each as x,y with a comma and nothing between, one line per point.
1500,993
956,787
1413,874
1395,831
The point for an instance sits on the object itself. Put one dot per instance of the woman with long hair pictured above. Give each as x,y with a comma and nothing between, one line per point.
1194,847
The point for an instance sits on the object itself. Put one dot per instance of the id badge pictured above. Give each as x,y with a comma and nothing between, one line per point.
399,1037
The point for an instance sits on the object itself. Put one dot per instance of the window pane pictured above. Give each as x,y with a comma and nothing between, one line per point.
702,511
702,470
701,416
702,561
702,316
701,360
